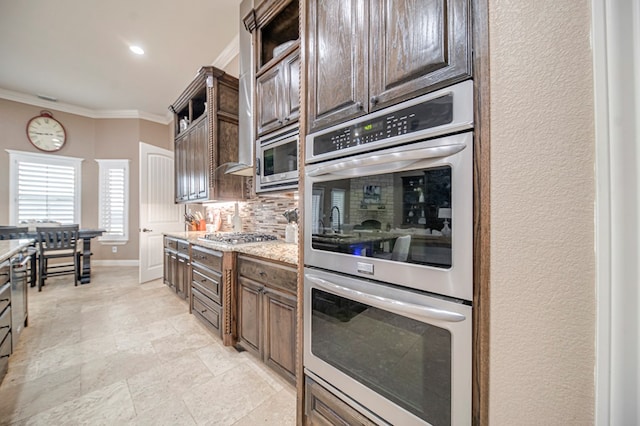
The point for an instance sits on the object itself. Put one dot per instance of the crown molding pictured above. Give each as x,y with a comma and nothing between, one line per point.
85,112
226,56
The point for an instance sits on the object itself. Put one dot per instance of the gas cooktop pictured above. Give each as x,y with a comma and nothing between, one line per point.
238,237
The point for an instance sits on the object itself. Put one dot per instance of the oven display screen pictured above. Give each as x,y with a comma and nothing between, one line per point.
404,360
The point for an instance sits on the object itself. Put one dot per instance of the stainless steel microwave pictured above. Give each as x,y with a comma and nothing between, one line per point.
277,161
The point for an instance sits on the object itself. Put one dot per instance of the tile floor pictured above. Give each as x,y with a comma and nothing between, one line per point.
116,352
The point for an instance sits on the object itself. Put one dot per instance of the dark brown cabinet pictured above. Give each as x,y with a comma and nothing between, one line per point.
365,55
207,287
278,94
206,137
176,265
267,313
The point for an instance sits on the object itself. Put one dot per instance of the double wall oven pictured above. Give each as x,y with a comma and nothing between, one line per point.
388,259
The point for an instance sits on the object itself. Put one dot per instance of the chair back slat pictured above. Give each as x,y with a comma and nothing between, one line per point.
57,238
13,232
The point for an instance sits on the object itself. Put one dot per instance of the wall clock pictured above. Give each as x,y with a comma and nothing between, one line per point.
46,133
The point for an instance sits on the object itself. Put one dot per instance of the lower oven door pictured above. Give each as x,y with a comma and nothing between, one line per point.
403,355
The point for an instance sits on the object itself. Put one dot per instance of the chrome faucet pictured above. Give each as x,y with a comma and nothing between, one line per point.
331,217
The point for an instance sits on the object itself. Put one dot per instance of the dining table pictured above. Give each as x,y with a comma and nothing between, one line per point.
86,235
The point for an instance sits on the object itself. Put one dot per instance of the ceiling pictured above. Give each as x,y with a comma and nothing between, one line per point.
78,51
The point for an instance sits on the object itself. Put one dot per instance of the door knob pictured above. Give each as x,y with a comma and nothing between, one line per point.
147,230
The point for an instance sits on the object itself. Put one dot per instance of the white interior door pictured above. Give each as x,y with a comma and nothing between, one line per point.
158,212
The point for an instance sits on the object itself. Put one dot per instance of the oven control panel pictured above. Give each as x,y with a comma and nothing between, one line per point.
432,113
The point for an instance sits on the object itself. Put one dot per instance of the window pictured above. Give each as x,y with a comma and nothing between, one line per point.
317,200
44,187
114,200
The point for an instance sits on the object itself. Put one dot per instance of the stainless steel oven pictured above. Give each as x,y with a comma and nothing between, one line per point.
277,160
392,199
401,356
388,254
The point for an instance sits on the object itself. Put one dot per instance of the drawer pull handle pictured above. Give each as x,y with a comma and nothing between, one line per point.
5,326
4,356
203,311
4,300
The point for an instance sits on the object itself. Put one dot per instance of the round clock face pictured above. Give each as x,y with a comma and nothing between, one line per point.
46,133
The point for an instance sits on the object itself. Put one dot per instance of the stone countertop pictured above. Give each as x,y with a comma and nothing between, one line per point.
274,250
10,247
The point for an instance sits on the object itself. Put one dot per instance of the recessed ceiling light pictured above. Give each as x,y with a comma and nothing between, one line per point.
137,50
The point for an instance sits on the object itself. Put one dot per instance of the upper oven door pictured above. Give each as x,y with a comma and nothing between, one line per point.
445,111
278,159
401,215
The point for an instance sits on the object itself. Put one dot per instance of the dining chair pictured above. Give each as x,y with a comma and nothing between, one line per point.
400,252
58,243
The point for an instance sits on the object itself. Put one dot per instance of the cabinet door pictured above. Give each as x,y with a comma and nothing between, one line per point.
338,36
181,178
182,279
199,148
291,86
269,99
417,46
280,332
167,267
249,321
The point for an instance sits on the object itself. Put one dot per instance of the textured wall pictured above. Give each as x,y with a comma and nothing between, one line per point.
542,219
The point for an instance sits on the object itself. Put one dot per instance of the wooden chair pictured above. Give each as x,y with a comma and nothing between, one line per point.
17,233
56,243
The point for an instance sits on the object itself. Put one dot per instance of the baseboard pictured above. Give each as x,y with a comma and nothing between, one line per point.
126,262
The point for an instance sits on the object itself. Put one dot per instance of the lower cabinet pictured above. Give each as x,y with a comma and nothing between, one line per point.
177,265
324,408
267,313
207,287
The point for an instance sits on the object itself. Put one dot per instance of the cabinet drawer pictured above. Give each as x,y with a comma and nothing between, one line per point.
5,351
210,258
5,323
206,310
271,274
171,243
183,247
324,408
5,296
208,283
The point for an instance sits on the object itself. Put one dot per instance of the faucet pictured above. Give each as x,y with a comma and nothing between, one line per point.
331,217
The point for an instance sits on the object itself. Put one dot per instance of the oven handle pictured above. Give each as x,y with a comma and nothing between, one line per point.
395,306
392,160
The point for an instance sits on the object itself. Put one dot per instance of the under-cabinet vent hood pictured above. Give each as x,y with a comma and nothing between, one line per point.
246,135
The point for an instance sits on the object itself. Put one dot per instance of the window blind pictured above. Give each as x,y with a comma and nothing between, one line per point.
46,192
113,199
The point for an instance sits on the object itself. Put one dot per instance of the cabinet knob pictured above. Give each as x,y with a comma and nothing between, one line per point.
359,105
374,100
287,118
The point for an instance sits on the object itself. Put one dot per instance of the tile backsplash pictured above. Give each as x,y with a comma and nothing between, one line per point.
261,214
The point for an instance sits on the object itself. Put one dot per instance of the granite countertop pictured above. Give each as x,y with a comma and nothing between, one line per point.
273,250
10,247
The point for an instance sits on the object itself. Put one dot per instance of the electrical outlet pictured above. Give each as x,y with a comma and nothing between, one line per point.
114,249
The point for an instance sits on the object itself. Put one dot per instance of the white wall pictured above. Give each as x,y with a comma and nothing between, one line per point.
542,273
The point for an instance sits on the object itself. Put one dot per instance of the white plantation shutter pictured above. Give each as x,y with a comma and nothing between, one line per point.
114,199
44,187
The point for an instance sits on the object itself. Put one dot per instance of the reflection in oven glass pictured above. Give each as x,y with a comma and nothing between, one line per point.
402,217
405,361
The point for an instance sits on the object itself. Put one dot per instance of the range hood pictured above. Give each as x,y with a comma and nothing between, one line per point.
246,137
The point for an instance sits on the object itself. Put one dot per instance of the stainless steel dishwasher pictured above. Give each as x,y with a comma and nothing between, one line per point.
19,311
5,316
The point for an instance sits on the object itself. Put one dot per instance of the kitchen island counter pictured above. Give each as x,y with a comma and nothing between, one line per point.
273,250
10,247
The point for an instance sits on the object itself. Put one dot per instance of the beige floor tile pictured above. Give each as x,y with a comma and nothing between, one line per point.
116,352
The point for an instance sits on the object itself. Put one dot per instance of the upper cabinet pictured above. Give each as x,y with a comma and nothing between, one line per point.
275,26
365,55
206,137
